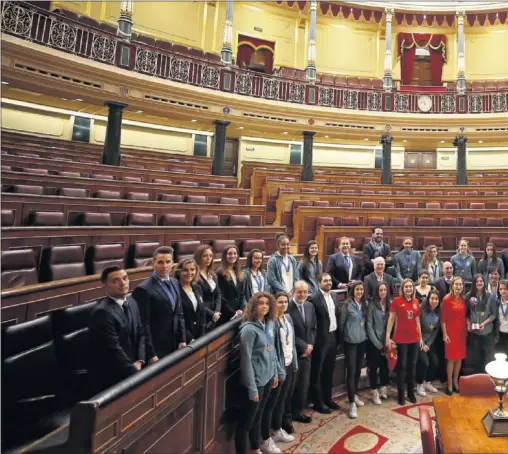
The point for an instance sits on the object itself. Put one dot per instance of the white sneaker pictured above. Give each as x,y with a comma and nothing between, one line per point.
269,447
430,387
282,436
353,414
358,402
383,392
375,397
420,390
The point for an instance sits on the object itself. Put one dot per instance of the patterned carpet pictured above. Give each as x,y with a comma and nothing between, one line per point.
386,428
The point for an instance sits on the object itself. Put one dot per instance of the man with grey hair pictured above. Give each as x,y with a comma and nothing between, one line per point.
373,279
304,321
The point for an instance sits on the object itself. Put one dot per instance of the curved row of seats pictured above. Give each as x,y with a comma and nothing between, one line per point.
22,267
406,205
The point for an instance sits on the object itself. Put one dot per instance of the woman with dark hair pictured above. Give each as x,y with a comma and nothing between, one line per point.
493,283
194,313
281,269
454,327
464,264
431,263
481,313
423,288
407,337
231,285
254,277
428,357
353,332
260,369
310,267
207,281
502,320
489,260
377,318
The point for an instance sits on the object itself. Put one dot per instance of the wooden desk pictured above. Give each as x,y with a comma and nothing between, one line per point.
459,425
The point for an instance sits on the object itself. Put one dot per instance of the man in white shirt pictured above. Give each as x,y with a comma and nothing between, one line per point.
326,307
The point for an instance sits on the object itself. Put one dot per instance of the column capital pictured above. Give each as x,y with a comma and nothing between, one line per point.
313,5
221,123
389,12
460,13
308,133
127,8
115,105
460,139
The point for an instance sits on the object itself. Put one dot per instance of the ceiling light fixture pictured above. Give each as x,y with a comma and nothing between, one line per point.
240,127
64,99
366,138
194,121
326,137
404,141
442,141
285,133
4,82
79,100
480,141
139,111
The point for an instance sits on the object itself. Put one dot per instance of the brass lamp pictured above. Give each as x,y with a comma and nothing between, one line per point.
496,421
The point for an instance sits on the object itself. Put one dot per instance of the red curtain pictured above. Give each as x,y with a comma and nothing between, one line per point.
244,55
268,62
408,42
247,45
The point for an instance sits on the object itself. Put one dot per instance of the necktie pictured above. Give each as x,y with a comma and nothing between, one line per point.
127,312
172,296
300,308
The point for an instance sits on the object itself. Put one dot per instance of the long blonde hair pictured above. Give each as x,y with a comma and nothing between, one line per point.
452,293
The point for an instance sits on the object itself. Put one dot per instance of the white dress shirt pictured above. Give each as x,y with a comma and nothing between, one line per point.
331,310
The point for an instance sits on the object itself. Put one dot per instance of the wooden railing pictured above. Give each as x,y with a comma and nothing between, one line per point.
33,24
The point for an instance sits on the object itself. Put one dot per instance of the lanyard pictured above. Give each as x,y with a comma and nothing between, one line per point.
504,311
432,318
267,337
259,281
286,329
288,267
360,312
409,259
435,271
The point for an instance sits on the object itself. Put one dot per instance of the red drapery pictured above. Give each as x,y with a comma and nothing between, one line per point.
408,42
247,45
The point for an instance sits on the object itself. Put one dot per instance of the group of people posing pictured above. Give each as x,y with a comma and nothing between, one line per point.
292,324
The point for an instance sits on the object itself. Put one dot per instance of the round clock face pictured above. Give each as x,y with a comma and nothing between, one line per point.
425,103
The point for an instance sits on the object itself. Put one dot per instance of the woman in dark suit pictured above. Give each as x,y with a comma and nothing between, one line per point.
193,307
254,277
231,285
207,282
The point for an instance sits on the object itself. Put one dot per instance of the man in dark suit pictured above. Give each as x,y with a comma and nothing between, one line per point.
117,337
304,321
343,266
326,307
158,298
371,281
376,248
443,283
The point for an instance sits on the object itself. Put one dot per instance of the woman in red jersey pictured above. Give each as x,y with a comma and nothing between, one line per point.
454,327
407,336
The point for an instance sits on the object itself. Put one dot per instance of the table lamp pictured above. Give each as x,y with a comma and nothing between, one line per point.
496,421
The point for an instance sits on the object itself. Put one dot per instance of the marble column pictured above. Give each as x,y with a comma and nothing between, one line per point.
111,155
386,166
219,145
125,19
387,78
460,142
310,70
461,62
227,37
308,143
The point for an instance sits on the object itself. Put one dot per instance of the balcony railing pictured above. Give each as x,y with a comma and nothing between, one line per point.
53,30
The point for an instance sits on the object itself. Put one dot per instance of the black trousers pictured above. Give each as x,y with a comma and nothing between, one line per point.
406,366
483,351
301,387
323,365
439,347
427,365
282,408
354,361
502,344
249,421
377,362
271,403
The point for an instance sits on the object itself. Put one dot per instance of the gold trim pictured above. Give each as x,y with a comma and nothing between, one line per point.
263,46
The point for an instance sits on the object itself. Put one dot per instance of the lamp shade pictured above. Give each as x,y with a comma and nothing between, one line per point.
498,369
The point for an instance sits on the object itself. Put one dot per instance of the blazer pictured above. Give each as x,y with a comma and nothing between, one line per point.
211,299
305,332
323,317
164,326
274,272
442,287
195,320
247,283
337,269
370,253
114,345
304,275
401,265
370,284
232,296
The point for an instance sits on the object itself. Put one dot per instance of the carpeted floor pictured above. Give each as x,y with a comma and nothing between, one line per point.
386,428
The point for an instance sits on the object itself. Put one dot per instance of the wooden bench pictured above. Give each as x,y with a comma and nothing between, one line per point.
23,205
304,219
327,236
53,183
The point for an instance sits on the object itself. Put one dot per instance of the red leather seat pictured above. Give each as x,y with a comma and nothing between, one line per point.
435,192
300,203
239,220
410,204
160,181
140,219
92,219
18,268
431,240
367,192
494,222
399,222
176,198
218,247
27,189
490,193
141,253
329,191
137,196
188,183
101,256
325,220
100,176
368,204
247,245
426,431
376,221
426,222
419,192
7,218
196,199
469,193
173,219
433,205
322,203
228,201
207,220
474,241
216,185
102,194
62,262
350,221
308,190
383,192
499,242
453,193
502,206
185,249
35,171
476,385
386,205
46,218
470,222
448,222
477,206
345,205
451,206
73,192
69,174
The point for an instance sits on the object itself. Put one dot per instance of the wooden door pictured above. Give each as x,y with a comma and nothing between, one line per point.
422,75
231,157
420,160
